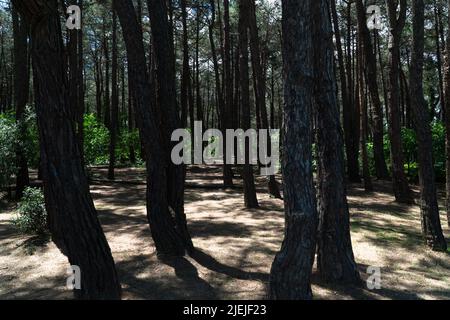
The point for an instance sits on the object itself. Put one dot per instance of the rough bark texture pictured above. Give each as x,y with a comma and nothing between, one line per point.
429,209
164,197
372,82
290,277
335,258
402,191
72,217
249,180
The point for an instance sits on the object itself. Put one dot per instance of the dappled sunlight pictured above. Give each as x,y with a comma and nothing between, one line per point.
235,246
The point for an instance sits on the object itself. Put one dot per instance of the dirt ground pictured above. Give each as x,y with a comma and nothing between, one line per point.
236,246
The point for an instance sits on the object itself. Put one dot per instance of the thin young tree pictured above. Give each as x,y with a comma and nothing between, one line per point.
21,89
290,276
250,197
73,220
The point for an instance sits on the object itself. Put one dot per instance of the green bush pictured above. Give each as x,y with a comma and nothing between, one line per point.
8,143
96,141
32,216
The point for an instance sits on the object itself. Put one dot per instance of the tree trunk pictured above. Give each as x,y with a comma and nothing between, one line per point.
372,81
402,191
336,262
447,119
250,198
72,217
429,209
290,276
21,89
114,102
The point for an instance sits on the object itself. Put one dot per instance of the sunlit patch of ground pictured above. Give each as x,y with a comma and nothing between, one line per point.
235,246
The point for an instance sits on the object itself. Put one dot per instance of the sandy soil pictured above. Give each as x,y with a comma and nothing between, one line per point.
236,246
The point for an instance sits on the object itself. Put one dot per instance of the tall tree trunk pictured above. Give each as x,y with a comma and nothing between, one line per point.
372,81
402,191
185,76
431,224
168,110
226,117
336,262
447,118
72,217
290,276
114,102
168,233
250,198
21,89
107,98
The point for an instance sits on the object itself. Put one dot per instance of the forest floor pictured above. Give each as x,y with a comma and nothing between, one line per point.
235,246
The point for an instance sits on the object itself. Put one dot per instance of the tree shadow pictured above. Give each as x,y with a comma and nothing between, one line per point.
212,264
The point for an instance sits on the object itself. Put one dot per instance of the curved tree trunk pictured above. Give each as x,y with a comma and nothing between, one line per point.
165,183
72,217
290,276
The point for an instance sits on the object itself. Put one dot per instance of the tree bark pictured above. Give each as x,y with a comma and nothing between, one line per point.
335,258
72,216
372,81
290,276
429,209
402,191
250,198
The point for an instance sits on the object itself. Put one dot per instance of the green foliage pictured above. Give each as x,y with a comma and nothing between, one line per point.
96,141
32,216
8,142
409,140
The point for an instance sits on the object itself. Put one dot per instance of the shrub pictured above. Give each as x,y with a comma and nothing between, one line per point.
96,141
32,216
8,141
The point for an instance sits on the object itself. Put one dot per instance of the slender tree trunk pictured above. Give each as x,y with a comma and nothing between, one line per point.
402,191
372,81
226,117
114,102
21,89
72,217
431,224
251,200
336,262
447,119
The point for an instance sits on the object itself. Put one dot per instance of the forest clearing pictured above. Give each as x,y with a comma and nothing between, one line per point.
235,246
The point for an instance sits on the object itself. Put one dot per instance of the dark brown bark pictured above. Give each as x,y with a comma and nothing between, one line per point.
250,198
72,217
447,119
226,117
290,276
336,262
402,191
165,200
185,76
21,89
370,64
429,209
